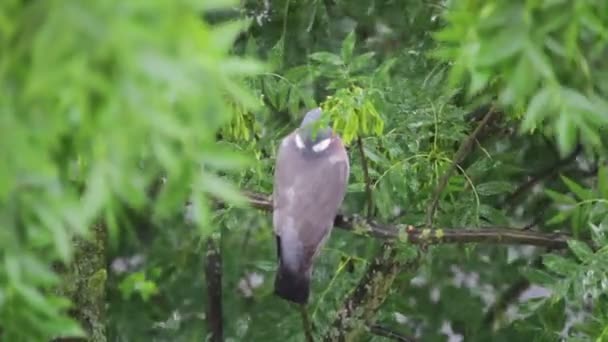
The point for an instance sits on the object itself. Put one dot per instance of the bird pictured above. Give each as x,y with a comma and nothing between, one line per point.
310,181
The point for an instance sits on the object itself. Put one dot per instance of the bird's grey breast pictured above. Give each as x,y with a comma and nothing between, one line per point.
309,189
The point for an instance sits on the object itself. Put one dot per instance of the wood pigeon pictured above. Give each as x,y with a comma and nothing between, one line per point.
310,180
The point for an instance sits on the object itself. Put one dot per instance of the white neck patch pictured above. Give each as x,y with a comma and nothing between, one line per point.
299,142
322,145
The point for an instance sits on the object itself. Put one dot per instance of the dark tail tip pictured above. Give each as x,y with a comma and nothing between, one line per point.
292,286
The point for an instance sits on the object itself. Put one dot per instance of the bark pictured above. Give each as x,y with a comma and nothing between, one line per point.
84,282
426,236
359,310
213,273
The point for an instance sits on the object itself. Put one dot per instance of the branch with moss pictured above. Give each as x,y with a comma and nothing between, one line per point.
359,309
213,274
84,282
427,236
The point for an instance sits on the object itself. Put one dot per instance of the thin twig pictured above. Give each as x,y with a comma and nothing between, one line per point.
463,150
213,273
544,174
511,294
368,181
389,333
306,324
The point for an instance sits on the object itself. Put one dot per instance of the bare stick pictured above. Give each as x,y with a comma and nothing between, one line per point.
383,331
462,152
306,324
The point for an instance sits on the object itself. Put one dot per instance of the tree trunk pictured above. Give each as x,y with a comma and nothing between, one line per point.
84,282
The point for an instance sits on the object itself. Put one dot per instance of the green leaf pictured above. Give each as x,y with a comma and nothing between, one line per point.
209,5
293,102
494,188
540,61
523,80
536,276
579,191
479,79
221,189
494,215
602,181
505,44
12,268
34,297
361,61
224,34
560,217
241,66
566,132
539,107
35,269
356,187
589,135
67,327
574,100
560,198
327,58
581,250
221,158
61,237
560,265
373,156
298,73
276,54
348,46
252,48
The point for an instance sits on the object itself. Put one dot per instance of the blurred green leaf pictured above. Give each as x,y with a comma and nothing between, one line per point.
539,108
493,188
536,276
581,250
582,193
559,265
602,181
505,44
566,133
327,58
348,46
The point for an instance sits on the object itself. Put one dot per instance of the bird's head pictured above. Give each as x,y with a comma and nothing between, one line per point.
312,129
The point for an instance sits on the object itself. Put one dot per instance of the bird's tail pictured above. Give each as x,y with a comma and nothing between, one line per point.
292,286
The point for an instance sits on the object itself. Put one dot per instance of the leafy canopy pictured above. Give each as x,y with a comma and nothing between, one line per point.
102,100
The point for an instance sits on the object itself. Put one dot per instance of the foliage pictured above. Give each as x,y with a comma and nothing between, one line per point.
102,100
541,57
98,100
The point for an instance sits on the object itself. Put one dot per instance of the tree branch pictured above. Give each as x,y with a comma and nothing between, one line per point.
361,306
510,295
213,273
463,150
306,324
547,173
489,235
84,282
383,331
